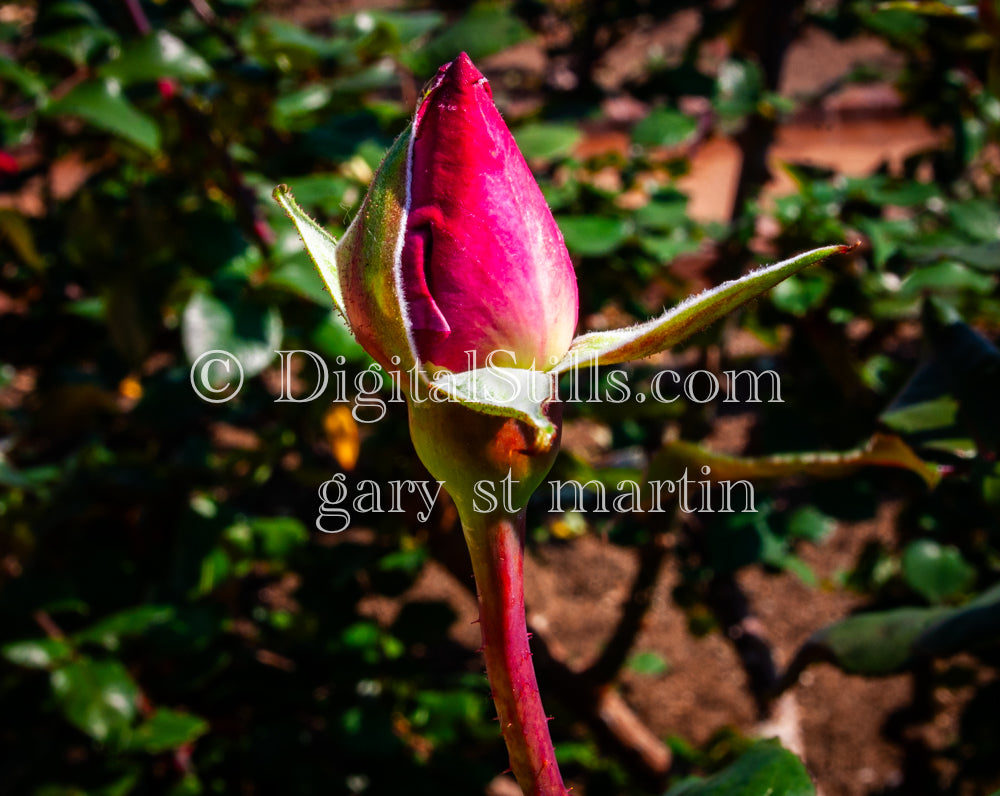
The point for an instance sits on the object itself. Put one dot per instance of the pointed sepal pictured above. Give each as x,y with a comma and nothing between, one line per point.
688,317
320,245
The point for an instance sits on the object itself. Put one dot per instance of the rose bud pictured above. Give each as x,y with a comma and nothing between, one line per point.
482,266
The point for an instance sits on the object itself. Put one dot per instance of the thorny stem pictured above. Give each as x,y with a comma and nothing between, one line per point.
496,546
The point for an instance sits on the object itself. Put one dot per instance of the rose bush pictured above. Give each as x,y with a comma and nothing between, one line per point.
454,257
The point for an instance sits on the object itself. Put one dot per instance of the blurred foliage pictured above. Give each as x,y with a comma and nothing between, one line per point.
171,619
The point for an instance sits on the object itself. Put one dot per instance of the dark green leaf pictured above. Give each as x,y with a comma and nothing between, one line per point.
42,653
739,88
102,103
938,572
298,274
765,768
874,643
79,43
487,28
404,25
663,214
664,127
278,39
252,334
800,293
946,276
167,729
295,104
132,622
927,415
648,663
984,256
30,84
154,57
666,248
974,625
977,218
887,236
278,536
810,523
98,697
593,236
546,141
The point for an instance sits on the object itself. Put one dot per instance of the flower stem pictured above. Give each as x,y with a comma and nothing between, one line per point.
496,544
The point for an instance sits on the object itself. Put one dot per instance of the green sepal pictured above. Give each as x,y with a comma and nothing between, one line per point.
503,392
688,317
320,245
369,263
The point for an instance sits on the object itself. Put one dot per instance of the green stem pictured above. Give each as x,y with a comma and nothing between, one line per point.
496,544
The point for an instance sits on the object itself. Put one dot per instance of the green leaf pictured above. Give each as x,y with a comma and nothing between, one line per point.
278,536
765,768
98,697
250,333
664,127
328,192
984,256
299,275
154,57
487,28
41,653
810,523
880,642
334,338
406,26
101,103
648,663
739,88
884,642
946,276
882,190
688,317
666,248
546,141
132,622
977,218
279,40
379,76
294,104
887,236
938,572
593,236
801,293
924,416
971,626
663,213
78,43
167,729
30,84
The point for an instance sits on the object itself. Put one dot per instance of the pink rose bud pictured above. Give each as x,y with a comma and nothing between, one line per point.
482,267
